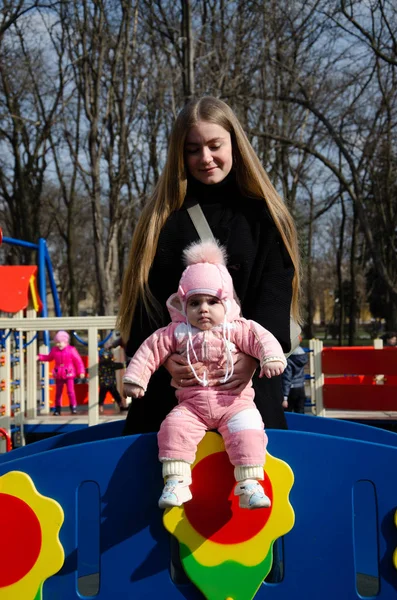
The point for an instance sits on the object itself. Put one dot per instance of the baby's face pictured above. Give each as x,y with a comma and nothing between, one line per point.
61,345
204,312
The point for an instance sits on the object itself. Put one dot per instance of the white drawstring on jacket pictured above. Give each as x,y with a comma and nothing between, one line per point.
229,358
189,344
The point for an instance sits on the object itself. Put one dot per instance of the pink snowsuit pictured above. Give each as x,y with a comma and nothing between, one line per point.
201,408
68,364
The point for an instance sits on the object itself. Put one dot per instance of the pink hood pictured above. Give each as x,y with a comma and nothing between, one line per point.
205,273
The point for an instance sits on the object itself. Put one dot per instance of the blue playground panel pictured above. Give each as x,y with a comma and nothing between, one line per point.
67,435
70,434
347,429
344,498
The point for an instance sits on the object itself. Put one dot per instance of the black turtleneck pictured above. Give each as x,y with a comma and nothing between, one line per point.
216,192
262,275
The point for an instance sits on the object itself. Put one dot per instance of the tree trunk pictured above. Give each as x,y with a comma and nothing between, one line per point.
188,51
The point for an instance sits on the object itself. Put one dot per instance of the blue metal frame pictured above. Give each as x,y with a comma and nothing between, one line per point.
43,263
84,343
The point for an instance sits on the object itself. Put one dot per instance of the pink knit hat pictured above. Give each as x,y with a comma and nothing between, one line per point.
62,336
206,273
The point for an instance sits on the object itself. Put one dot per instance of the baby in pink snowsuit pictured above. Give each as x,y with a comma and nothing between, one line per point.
207,327
68,363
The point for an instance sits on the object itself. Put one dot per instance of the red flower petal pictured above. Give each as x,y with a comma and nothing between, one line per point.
21,539
214,511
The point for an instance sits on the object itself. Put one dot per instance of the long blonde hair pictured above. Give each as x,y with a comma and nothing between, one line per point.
169,195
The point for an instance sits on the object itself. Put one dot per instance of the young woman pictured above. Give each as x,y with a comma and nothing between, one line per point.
211,162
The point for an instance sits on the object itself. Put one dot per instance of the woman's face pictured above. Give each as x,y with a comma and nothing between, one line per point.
208,152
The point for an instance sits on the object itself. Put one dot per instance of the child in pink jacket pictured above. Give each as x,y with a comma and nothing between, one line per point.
207,327
68,364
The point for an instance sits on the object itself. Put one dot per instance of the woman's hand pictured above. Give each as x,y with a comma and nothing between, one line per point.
244,369
133,391
180,371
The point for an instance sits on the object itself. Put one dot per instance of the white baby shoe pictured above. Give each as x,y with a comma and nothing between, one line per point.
251,494
176,491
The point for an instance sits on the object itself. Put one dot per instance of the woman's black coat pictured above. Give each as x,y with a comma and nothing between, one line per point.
262,274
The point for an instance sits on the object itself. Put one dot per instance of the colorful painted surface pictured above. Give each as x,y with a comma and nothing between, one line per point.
31,551
395,551
225,550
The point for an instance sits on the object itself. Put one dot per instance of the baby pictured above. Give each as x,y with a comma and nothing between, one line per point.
207,327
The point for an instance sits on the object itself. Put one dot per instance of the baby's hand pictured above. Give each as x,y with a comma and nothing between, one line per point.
132,390
273,368
82,376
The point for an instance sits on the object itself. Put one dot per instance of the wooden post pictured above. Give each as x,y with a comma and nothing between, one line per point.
318,382
31,369
93,395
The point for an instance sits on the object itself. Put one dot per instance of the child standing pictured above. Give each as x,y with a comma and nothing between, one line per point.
107,379
68,364
207,327
293,381
389,338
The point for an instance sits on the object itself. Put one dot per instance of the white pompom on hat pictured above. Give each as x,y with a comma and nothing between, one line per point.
205,252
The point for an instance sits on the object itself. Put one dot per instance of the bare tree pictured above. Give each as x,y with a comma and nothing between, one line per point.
15,9
375,27
29,105
102,47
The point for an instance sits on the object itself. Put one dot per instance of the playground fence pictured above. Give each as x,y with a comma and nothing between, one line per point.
18,369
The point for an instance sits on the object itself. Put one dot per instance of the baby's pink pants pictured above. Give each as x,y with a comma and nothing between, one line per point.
235,417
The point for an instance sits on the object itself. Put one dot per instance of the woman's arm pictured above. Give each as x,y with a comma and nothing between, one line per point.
268,300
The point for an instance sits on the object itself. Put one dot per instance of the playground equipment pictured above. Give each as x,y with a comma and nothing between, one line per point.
6,436
101,507
28,374
25,387
318,383
22,292
44,266
18,295
354,382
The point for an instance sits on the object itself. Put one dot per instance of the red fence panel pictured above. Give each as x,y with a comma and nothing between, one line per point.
360,360
359,393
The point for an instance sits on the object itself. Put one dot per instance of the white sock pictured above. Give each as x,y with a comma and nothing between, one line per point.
176,467
248,472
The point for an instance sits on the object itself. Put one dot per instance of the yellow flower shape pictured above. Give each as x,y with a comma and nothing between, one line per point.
221,531
30,526
395,551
